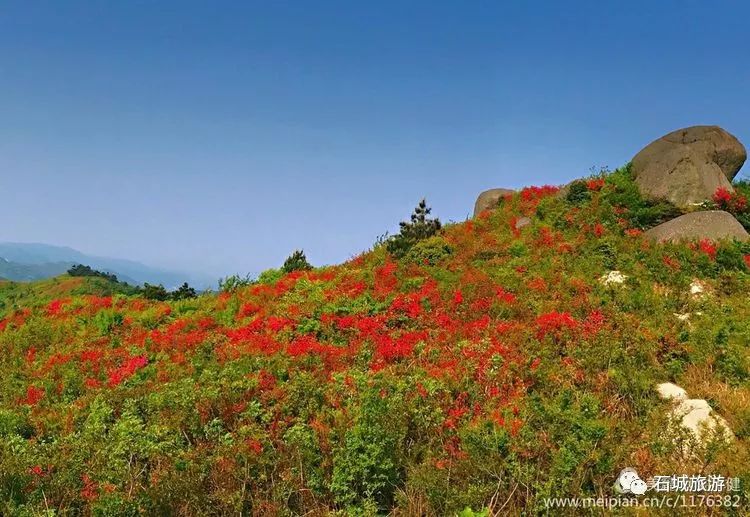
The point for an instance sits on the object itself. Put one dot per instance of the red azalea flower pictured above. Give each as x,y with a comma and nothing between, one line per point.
33,395
554,323
722,197
707,247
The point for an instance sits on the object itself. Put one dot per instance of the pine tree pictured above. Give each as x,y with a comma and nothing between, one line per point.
420,227
183,292
297,261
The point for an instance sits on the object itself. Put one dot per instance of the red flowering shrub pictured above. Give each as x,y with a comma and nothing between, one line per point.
126,370
736,203
33,395
733,202
708,247
554,323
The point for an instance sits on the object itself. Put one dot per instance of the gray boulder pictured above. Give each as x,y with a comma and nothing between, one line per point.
688,165
714,225
489,199
521,222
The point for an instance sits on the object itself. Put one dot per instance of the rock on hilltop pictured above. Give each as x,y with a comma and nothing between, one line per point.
711,224
687,166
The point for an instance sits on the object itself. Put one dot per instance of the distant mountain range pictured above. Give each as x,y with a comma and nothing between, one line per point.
34,261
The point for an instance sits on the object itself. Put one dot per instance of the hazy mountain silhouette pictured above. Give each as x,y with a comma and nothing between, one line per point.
32,261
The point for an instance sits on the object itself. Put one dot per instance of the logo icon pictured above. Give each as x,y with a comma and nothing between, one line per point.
629,482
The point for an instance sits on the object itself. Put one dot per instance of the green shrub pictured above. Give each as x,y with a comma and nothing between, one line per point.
154,292
622,192
234,282
366,468
184,292
429,251
269,276
578,192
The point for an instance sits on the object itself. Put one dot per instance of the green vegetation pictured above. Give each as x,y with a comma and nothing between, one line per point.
159,293
81,270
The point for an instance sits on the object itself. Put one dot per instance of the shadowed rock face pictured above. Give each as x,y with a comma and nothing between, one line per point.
714,225
688,165
489,199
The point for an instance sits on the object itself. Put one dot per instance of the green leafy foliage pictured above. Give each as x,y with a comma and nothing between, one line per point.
430,251
234,282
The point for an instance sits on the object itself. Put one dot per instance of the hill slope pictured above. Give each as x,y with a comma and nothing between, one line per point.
10,270
488,368
32,261
18,295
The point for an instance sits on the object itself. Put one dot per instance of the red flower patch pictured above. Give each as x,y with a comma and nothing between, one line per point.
554,323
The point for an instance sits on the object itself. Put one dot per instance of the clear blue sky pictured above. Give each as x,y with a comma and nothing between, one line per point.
219,136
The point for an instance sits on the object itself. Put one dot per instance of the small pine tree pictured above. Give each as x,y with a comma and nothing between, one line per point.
297,261
419,228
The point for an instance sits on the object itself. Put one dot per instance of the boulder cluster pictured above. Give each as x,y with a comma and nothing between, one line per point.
685,167
694,415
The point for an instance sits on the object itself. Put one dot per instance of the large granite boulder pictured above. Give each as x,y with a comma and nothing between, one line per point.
714,225
688,165
489,199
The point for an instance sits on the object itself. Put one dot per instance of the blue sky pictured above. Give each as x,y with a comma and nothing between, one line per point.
220,136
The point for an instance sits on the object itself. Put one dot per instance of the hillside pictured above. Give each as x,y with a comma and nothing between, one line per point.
18,295
495,364
27,272
34,261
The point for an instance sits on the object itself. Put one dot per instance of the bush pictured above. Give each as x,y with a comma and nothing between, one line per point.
269,276
154,292
578,192
234,282
736,203
429,251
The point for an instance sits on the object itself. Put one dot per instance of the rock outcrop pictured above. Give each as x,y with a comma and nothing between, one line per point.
489,199
695,415
613,278
714,225
687,166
